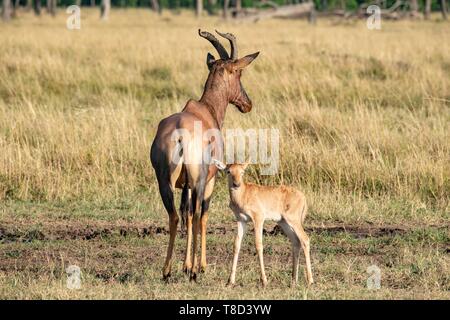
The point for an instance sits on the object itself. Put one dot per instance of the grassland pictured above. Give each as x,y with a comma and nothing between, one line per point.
364,118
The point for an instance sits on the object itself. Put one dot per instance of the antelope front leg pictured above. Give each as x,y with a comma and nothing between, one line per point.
204,220
242,226
187,261
173,222
259,249
195,232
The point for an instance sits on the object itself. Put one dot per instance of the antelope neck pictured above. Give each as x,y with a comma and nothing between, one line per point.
216,102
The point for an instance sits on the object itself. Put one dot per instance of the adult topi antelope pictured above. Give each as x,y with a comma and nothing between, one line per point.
251,202
181,158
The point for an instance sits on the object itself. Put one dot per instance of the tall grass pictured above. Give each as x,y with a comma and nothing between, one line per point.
362,113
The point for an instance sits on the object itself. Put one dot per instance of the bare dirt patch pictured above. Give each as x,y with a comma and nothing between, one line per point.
22,231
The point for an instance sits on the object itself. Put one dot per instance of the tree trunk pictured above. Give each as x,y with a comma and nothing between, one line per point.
414,7
6,10
226,4
198,7
92,3
312,17
15,7
51,7
444,9
104,9
238,5
29,5
78,3
210,8
155,6
427,10
37,7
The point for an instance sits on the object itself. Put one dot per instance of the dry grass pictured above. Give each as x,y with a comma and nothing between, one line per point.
363,116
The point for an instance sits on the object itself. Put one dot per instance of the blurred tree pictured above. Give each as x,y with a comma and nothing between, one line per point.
427,9
37,7
51,7
14,6
211,5
238,5
226,4
199,7
6,10
104,9
155,6
444,9
414,8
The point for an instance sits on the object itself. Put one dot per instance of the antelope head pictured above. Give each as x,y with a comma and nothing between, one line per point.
225,73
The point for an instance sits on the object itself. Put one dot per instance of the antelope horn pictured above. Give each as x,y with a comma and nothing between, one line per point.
220,49
232,39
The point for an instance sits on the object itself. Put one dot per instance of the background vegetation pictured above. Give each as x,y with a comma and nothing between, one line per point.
218,4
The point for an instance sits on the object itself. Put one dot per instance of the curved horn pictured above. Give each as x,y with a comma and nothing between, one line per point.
220,49
232,39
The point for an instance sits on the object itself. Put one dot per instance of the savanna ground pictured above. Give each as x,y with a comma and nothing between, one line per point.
365,127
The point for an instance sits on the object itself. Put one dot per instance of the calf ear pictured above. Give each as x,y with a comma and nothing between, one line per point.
219,165
210,60
245,165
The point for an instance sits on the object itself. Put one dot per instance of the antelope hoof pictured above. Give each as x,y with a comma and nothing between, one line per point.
166,277
264,283
309,278
230,283
187,269
193,277
203,269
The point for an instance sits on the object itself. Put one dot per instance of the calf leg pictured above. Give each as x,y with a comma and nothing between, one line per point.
295,258
290,233
259,249
304,241
241,228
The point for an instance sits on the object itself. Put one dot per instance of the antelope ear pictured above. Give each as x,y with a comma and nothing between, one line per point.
219,165
210,60
245,61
